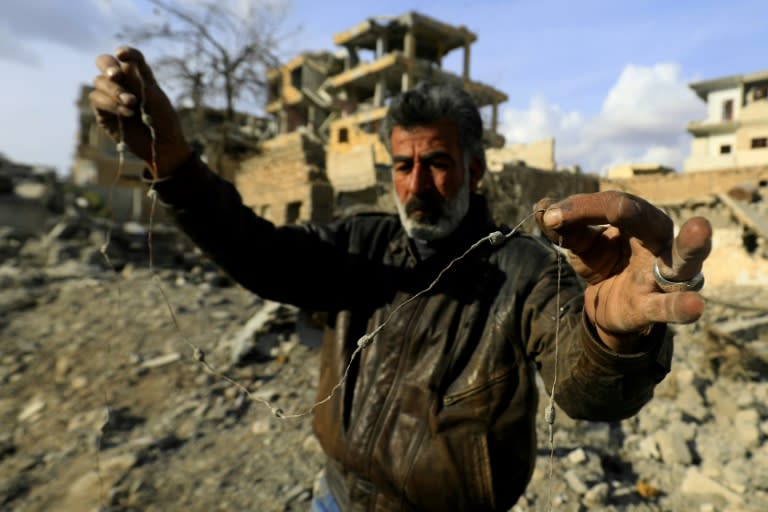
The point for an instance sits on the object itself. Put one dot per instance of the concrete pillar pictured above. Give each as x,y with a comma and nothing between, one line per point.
311,116
380,91
494,118
465,73
381,47
409,48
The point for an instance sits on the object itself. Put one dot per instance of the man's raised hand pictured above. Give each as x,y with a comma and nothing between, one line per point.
613,241
126,94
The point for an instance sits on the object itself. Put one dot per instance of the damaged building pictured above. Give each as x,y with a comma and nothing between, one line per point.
728,148
96,164
318,155
337,100
725,178
735,131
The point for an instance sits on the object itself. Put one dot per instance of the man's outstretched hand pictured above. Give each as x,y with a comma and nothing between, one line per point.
124,88
613,240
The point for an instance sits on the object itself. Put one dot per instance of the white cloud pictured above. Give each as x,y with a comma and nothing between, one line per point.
642,119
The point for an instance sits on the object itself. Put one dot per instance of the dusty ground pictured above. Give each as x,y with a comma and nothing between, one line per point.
77,341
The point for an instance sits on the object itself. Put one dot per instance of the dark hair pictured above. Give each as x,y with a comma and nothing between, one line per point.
429,103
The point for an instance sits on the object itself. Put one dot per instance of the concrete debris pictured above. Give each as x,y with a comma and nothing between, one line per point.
264,336
695,483
160,361
105,408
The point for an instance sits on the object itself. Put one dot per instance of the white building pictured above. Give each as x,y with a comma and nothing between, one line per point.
735,132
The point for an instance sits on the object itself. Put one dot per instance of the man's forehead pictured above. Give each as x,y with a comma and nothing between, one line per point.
440,133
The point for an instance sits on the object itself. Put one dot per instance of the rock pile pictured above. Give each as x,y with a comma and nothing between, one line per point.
699,445
105,408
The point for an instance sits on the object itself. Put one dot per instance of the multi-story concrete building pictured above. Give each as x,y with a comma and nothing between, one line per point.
297,98
340,98
96,162
735,132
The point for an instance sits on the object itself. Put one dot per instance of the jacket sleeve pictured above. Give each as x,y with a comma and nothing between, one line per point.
305,265
592,381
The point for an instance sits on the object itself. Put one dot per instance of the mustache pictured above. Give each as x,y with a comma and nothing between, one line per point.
425,203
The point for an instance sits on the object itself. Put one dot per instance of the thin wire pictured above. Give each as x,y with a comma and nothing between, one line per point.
549,412
494,238
107,412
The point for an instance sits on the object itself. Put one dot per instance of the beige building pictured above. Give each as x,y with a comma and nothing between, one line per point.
633,170
735,132
297,96
339,99
96,163
539,154
285,183
387,56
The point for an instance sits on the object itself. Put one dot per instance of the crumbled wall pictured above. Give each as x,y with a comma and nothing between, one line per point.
287,173
539,154
680,187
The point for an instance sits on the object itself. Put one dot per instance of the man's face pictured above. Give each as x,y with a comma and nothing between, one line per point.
431,181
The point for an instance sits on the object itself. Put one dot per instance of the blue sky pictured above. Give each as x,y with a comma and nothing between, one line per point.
607,79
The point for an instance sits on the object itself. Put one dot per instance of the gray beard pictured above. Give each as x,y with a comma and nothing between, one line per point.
453,213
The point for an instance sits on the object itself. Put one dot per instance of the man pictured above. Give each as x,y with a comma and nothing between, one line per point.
437,412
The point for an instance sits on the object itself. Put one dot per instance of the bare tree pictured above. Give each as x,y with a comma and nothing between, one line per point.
214,55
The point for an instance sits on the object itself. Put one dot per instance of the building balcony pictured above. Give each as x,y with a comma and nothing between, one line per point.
707,127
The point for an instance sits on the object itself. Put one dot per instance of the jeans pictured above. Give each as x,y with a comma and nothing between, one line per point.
323,500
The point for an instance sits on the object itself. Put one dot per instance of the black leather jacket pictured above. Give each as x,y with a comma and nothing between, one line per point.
438,412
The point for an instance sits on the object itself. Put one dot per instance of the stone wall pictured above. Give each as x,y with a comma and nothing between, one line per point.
286,184
539,154
681,187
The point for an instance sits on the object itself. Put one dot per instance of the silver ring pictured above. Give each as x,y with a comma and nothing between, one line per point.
693,284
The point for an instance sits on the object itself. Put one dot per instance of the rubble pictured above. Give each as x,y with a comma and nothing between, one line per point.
106,408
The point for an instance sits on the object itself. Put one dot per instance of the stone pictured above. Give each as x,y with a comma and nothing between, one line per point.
89,420
597,495
649,448
157,362
63,367
79,382
574,482
84,493
261,426
31,411
747,428
696,483
673,447
692,403
717,444
721,400
684,376
577,456
245,343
